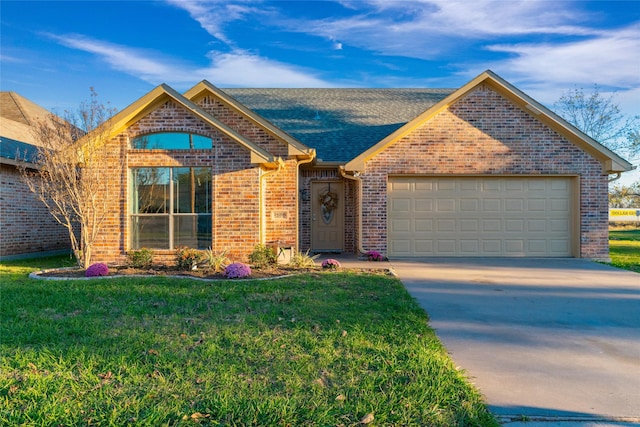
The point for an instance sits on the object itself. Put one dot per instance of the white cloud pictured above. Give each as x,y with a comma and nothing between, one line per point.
213,15
424,29
238,68
607,59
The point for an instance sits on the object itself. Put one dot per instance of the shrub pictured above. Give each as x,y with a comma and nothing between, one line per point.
302,260
187,258
237,270
262,256
374,256
98,269
216,262
140,258
331,264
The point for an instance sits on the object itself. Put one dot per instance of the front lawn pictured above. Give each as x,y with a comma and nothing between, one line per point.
624,248
326,349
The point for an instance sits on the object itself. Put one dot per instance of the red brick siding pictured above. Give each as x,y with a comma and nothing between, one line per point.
244,126
26,226
236,186
484,133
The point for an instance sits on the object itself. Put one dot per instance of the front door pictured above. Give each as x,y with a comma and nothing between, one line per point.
327,216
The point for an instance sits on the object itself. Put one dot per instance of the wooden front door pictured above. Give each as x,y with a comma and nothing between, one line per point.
327,216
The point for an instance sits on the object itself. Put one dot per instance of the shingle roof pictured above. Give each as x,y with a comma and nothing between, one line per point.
339,123
17,115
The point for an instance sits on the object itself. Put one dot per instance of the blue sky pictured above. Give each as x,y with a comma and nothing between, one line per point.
53,51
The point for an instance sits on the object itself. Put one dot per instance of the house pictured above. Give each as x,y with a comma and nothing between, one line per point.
26,226
483,170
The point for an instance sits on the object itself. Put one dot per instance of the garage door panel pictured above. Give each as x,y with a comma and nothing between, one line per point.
445,205
423,205
423,225
491,225
487,216
424,247
399,225
559,225
491,205
469,205
446,225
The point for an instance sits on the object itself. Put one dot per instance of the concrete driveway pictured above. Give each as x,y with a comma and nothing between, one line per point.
547,339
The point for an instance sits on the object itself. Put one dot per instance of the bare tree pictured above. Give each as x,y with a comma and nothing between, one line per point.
64,177
600,117
623,196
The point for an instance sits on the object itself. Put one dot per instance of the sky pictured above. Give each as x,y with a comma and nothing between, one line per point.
53,52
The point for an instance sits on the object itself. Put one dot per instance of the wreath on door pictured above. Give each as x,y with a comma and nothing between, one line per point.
328,203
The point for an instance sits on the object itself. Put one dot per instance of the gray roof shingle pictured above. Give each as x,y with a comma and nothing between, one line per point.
339,123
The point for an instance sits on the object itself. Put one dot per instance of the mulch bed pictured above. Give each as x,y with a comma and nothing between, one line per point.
256,273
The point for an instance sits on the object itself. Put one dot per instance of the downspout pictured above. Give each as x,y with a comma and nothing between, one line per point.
263,220
312,156
358,181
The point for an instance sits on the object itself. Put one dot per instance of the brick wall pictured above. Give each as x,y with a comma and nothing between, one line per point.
26,226
484,133
237,196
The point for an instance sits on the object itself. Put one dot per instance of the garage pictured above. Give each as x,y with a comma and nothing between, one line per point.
506,216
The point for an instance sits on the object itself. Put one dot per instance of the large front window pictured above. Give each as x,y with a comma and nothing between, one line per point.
171,207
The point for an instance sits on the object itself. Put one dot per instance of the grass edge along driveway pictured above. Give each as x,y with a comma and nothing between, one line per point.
624,248
326,349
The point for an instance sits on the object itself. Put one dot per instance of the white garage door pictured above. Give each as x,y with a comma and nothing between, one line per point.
479,216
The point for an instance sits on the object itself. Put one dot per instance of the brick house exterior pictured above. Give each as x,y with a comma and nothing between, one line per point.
26,226
316,169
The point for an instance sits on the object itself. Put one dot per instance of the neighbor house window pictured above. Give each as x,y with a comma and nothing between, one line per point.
171,207
171,141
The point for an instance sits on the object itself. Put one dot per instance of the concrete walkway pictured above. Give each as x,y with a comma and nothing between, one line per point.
553,342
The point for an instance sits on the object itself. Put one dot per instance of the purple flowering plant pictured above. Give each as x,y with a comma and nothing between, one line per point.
237,270
331,264
374,256
98,269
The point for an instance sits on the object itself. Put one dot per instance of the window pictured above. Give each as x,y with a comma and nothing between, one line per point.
172,141
171,207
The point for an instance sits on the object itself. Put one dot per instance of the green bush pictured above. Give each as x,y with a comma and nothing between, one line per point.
262,256
187,258
140,258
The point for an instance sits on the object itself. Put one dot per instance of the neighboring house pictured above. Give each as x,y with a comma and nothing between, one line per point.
483,170
26,226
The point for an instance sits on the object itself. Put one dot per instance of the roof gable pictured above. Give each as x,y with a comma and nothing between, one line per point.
611,162
164,93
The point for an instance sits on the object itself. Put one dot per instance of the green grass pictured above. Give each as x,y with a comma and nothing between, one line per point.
624,249
314,350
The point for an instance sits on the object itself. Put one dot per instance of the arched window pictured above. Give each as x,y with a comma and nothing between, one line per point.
171,141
